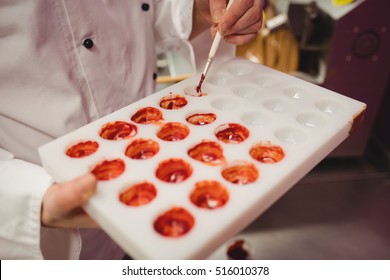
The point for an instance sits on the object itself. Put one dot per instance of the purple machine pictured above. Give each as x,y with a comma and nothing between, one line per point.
345,49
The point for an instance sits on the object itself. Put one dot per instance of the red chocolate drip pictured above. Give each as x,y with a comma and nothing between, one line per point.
199,87
357,120
139,194
174,223
82,149
236,251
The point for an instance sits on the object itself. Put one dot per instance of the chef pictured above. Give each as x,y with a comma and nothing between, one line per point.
65,63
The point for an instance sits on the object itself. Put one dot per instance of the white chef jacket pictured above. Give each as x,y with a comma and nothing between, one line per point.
51,83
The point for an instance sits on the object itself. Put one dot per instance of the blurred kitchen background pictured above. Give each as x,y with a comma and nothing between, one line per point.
341,209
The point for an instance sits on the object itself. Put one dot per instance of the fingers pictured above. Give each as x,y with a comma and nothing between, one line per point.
240,39
217,10
61,205
241,22
231,37
75,193
236,11
249,22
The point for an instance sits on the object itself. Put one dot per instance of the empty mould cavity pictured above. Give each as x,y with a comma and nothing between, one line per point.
296,92
329,106
142,149
277,105
193,91
82,149
174,170
225,104
219,79
311,120
208,152
266,152
239,69
138,194
174,223
173,131
266,81
247,91
147,115
232,133
108,169
173,101
256,118
290,135
118,130
201,118
240,173
209,194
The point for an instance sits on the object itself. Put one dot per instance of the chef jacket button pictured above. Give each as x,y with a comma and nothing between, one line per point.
154,76
88,43
145,7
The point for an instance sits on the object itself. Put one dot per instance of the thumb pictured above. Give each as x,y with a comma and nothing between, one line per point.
61,204
75,193
217,10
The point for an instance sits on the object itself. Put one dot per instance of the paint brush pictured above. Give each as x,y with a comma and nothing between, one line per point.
212,52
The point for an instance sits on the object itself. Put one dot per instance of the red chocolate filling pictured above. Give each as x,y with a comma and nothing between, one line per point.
173,131
208,152
147,115
232,133
201,119
266,153
173,170
241,174
142,149
209,195
173,102
138,194
82,149
174,223
108,169
118,130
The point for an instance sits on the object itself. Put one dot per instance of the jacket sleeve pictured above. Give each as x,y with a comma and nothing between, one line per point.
173,25
22,186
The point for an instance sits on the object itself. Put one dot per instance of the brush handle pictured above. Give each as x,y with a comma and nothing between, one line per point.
214,45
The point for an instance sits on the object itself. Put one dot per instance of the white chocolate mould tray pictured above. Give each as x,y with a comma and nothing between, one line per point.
180,173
